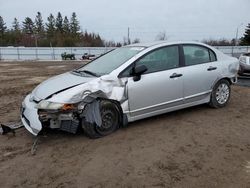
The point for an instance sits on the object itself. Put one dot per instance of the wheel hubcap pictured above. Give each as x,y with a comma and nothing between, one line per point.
110,119
107,119
222,93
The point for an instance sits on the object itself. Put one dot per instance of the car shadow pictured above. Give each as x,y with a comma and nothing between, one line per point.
170,115
56,134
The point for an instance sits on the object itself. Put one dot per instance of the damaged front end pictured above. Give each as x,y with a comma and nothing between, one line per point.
66,110
65,118
38,115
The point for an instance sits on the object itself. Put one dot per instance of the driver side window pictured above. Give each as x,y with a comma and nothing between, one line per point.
158,60
161,59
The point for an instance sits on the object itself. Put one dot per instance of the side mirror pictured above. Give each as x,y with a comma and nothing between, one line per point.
137,71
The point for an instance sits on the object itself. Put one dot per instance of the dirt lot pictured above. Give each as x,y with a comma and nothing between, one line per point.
195,147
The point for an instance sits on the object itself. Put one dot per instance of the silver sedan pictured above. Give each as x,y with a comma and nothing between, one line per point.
128,84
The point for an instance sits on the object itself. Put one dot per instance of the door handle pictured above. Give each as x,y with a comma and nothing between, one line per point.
211,68
175,75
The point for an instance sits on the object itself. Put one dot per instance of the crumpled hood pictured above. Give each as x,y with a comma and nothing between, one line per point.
110,86
58,83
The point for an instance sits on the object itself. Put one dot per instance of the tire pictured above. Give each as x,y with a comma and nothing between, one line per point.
221,94
110,115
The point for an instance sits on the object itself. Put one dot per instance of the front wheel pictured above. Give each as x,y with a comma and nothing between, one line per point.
110,115
220,94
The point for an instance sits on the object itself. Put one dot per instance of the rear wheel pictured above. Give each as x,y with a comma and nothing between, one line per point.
110,116
220,94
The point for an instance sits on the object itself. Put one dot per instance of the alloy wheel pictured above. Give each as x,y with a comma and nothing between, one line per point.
222,93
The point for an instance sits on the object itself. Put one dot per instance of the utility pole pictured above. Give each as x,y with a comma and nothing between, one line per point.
237,32
236,39
128,35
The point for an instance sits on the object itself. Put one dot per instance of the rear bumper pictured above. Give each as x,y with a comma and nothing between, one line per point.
234,80
29,116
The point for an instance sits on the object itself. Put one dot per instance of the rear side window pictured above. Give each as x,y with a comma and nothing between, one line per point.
197,55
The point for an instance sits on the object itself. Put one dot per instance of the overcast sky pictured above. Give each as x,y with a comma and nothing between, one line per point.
180,19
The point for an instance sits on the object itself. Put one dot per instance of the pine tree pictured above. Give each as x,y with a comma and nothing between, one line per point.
57,31
16,26
15,34
3,27
39,26
246,39
50,26
66,25
28,26
59,23
3,30
74,25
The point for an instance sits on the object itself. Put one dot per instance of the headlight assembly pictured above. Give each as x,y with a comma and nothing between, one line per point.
45,105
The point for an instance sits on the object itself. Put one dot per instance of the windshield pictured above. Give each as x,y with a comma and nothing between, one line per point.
110,61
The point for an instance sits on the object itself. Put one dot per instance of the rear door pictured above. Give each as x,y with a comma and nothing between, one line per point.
160,87
200,72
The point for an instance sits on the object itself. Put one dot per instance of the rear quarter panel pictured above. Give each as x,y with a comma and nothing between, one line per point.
228,66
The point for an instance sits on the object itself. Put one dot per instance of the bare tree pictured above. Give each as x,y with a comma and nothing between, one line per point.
161,36
219,42
136,40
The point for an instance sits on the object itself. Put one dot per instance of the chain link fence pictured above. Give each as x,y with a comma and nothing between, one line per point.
47,53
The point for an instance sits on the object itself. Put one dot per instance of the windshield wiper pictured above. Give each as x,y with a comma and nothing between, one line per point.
87,72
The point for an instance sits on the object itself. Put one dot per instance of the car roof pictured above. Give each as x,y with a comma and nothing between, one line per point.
151,44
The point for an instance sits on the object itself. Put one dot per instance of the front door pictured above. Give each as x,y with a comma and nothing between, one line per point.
160,87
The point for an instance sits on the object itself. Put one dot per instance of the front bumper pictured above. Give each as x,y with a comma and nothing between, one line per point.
29,116
244,67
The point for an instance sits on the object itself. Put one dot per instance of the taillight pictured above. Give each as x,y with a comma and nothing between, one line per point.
243,59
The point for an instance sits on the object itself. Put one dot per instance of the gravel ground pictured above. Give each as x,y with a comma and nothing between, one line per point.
194,147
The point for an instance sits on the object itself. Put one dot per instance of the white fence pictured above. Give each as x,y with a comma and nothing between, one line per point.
47,53
235,51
